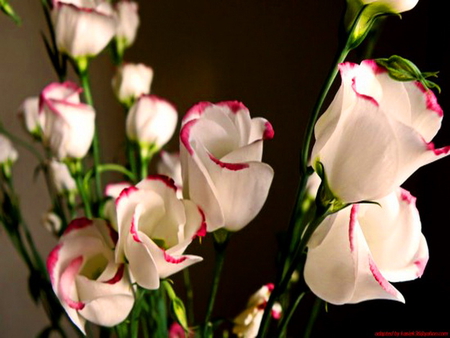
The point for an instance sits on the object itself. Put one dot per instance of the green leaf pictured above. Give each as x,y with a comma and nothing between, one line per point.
6,8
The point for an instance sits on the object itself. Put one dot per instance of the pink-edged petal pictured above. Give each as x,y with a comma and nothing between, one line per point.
169,263
340,275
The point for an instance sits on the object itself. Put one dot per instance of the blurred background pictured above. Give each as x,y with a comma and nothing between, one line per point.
273,55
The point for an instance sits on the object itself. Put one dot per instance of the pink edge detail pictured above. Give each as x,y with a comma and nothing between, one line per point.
234,106
185,135
77,224
134,231
201,232
270,286
262,306
196,110
67,282
47,98
375,67
439,151
168,181
118,276
346,67
380,279
406,196
269,133
112,234
112,186
82,9
52,260
173,260
420,265
126,193
351,225
156,99
275,313
430,99
229,166
362,96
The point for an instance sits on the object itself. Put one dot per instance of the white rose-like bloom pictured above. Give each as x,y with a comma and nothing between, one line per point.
61,178
131,81
151,121
127,22
354,254
393,6
83,28
29,114
69,124
155,228
221,151
376,133
85,277
8,154
247,323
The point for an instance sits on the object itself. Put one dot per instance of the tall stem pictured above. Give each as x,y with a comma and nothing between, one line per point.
314,313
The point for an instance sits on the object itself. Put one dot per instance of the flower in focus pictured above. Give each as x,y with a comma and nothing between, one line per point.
354,253
151,123
113,191
221,151
247,323
29,114
131,81
68,129
127,17
391,6
169,165
376,133
85,277
83,28
155,228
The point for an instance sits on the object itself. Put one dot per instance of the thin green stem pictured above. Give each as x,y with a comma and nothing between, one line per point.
22,143
312,319
189,296
287,317
220,249
105,168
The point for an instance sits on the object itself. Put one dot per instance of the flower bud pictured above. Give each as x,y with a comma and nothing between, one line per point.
131,81
8,155
127,18
29,114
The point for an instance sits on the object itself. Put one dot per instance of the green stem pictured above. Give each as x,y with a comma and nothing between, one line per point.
84,78
108,167
287,317
22,143
76,171
189,296
220,249
314,313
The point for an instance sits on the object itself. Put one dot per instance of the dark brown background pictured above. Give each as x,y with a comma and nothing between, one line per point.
272,55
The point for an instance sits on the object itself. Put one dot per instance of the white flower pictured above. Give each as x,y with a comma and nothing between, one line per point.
354,254
247,323
61,178
155,228
131,81
85,277
83,28
169,165
151,121
113,191
51,222
128,22
221,151
69,124
376,133
29,113
8,154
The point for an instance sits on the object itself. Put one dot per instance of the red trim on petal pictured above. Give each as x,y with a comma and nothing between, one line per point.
185,135
83,9
270,286
229,166
439,151
269,133
430,99
201,232
168,181
197,109
234,106
77,224
126,193
262,306
68,279
406,196
380,279
275,314
112,233
351,225
118,276
365,97
52,260
346,67
133,230
173,260
376,68
420,265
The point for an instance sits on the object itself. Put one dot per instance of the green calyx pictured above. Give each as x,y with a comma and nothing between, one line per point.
401,69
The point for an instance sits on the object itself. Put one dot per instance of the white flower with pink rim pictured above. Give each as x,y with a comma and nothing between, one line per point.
69,125
85,277
355,253
131,81
376,133
155,228
221,152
